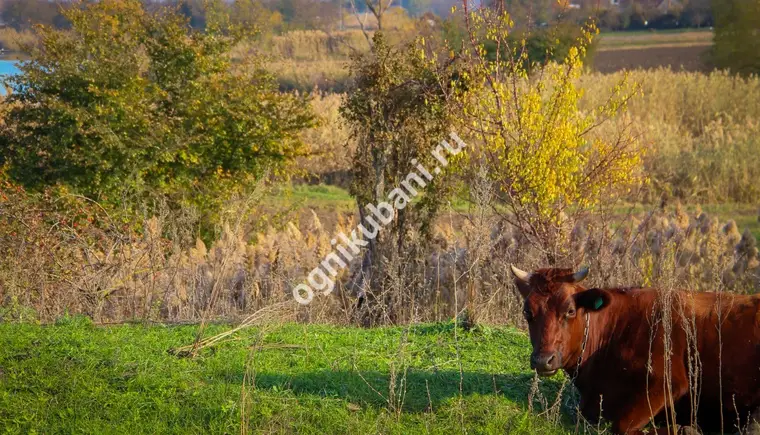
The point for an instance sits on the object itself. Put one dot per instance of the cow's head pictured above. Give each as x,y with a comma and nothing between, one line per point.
554,307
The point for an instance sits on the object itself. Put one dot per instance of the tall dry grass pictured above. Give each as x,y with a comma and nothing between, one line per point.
66,255
321,45
311,76
72,258
15,41
613,40
316,45
331,147
305,60
700,130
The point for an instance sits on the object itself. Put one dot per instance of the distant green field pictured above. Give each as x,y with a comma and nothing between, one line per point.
73,377
646,39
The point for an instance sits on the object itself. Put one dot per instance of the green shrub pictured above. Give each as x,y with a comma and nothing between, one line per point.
550,44
129,108
737,46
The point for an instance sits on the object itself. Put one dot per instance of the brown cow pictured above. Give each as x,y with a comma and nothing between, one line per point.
611,343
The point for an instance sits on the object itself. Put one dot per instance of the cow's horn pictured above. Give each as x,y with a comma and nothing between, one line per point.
519,273
580,275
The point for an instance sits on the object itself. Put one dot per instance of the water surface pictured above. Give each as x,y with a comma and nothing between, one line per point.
7,67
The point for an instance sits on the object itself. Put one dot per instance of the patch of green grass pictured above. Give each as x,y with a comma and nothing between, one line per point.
688,30
76,377
327,197
312,196
321,192
646,38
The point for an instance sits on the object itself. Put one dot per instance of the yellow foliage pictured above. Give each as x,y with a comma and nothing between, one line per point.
533,133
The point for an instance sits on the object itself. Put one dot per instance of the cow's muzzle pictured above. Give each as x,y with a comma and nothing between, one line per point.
545,364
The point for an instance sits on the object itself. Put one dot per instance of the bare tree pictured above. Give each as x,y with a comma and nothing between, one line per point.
378,9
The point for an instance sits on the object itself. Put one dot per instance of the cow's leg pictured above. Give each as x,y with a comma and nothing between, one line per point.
591,410
644,406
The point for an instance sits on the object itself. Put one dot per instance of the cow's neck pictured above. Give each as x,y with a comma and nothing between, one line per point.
597,332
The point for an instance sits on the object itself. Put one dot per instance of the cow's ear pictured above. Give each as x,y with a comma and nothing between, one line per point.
594,299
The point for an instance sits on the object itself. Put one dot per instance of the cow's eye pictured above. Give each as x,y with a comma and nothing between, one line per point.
570,313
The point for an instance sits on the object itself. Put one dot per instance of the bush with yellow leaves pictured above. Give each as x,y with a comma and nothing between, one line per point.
530,133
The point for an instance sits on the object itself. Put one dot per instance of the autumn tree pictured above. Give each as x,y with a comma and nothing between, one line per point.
398,116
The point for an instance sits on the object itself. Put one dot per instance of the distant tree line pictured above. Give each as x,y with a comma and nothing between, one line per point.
272,15
23,14
283,15
611,14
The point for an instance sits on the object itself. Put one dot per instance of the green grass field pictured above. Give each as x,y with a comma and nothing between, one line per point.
645,38
74,377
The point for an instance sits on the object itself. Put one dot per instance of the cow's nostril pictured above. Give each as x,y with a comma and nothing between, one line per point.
543,361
